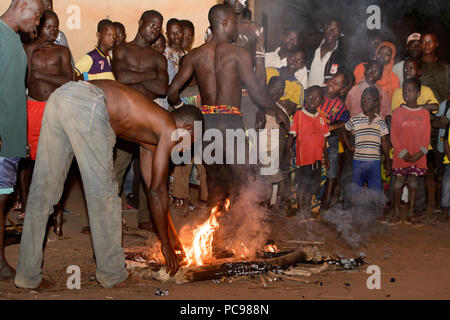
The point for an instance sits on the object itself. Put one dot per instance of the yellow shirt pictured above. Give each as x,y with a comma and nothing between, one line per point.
293,90
95,66
425,94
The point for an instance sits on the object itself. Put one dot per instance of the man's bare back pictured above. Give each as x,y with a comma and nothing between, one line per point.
133,116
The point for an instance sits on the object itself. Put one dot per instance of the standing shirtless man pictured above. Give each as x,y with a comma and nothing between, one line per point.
83,120
221,70
139,66
49,66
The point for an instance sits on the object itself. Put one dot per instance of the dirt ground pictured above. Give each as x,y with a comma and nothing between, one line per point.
414,263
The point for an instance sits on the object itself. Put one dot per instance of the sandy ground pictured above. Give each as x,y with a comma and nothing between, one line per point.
414,263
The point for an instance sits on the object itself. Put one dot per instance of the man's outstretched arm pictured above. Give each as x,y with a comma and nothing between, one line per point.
155,171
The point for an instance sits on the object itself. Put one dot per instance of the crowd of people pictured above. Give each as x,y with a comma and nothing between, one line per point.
372,125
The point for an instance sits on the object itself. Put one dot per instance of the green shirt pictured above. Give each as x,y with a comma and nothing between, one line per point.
436,75
13,99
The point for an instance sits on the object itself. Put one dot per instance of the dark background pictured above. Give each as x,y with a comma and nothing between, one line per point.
399,18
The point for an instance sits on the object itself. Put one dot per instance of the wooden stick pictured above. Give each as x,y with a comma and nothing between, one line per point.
306,242
287,277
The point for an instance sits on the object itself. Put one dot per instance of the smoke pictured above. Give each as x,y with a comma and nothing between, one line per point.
356,224
246,228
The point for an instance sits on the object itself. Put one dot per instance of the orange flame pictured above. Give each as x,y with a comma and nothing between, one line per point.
201,248
271,248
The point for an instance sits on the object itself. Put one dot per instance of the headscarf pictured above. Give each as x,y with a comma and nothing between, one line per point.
389,81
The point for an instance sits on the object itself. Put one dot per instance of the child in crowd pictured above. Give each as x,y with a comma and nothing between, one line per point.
412,68
370,133
310,129
372,73
294,91
97,64
410,137
388,81
336,114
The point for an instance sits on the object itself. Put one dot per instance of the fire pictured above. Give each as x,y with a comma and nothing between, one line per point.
201,248
271,248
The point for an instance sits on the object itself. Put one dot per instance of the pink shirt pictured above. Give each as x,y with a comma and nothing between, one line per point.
410,131
353,101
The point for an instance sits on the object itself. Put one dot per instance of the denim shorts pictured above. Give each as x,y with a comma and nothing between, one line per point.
8,174
446,187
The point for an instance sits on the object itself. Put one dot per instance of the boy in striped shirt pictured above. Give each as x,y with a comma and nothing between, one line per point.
370,134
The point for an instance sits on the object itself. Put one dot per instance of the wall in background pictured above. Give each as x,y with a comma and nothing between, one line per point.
83,39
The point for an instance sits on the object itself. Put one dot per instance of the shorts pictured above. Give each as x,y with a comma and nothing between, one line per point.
367,172
446,187
35,111
333,156
308,178
8,174
409,171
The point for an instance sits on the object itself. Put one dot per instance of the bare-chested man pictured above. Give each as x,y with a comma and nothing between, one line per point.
139,66
251,38
83,120
49,66
221,70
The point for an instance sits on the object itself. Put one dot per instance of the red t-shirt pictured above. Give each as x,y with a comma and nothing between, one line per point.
311,130
410,131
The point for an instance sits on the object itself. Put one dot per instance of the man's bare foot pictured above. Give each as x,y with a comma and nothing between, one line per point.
6,271
146,225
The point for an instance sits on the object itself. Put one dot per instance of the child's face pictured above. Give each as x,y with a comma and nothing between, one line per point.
335,85
296,61
276,90
107,37
384,55
313,99
410,94
411,70
369,104
372,73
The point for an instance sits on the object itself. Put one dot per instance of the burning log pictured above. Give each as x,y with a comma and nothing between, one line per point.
230,269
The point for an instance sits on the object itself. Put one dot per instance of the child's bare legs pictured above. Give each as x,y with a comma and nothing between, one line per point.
399,181
412,202
6,272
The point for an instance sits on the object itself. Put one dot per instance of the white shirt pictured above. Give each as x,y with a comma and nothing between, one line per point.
317,72
398,70
273,60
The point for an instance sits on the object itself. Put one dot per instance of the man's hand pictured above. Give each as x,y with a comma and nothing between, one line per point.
415,157
260,120
172,265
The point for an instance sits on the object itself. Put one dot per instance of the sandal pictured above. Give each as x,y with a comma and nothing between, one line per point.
17,206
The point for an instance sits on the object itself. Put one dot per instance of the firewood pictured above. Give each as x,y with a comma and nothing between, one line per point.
287,277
